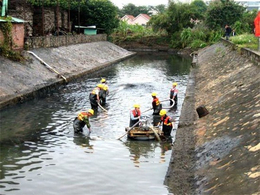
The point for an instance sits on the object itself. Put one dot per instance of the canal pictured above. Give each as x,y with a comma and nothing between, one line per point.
40,154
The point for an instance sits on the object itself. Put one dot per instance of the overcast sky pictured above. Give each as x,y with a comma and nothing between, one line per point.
121,3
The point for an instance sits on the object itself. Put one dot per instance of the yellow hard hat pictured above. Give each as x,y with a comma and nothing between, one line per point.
162,112
103,80
174,84
136,106
91,111
154,94
100,86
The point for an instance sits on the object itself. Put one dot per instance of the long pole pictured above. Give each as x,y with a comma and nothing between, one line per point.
47,65
101,107
129,129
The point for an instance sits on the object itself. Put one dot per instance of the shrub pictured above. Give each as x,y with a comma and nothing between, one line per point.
246,41
198,44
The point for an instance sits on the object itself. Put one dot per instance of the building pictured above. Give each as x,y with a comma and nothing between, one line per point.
17,33
249,4
128,18
141,19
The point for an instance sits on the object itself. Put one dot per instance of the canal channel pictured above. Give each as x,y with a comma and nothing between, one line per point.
40,154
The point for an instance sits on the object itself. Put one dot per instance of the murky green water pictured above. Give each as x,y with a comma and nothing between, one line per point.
41,155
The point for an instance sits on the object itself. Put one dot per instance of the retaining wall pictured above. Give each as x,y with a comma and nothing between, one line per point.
62,40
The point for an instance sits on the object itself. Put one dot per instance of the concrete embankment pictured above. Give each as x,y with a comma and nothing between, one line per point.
21,81
220,152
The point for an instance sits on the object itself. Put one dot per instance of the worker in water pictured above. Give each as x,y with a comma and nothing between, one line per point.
94,97
81,120
157,106
174,95
103,92
135,115
166,123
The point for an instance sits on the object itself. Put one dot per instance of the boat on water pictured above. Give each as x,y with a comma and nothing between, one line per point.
144,133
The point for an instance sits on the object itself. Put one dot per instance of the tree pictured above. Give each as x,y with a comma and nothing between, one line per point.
159,22
131,9
200,7
159,8
101,13
221,13
179,16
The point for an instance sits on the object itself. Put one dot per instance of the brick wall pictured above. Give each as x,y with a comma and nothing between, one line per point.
36,25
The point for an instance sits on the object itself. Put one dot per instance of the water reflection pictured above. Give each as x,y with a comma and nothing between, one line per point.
140,151
84,142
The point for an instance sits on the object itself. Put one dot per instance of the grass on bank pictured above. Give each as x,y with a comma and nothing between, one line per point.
195,38
245,41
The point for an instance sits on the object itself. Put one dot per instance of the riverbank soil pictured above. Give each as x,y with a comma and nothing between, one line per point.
220,152
18,80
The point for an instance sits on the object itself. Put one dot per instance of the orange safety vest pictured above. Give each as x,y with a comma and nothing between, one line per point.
136,114
156,100
95,91
82,116
105,87
166,121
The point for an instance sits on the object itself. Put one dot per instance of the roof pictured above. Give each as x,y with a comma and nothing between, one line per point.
94,27
13,20
131,17
144,15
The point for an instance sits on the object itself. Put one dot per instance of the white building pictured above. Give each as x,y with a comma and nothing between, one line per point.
249,4
141,19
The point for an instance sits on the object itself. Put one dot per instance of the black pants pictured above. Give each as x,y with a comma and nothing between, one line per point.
78,125
156,120
132,122
93,101
175,102
102,96
167,130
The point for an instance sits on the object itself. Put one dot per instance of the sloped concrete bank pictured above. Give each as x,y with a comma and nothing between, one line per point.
220,152
22,81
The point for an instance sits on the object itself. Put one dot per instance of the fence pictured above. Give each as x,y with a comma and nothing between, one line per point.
62,40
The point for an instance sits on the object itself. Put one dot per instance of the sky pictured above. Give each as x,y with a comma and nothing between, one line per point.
121,3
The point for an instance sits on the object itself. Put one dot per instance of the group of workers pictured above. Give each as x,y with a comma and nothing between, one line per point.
98,96
160,116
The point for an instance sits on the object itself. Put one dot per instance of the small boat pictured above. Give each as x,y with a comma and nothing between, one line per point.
144,133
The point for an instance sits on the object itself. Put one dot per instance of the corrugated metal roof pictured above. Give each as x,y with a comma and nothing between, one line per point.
14,20
85,26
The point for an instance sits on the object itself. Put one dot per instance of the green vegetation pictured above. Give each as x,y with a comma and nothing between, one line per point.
6,46
246,41
194,25
179,25
137,33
